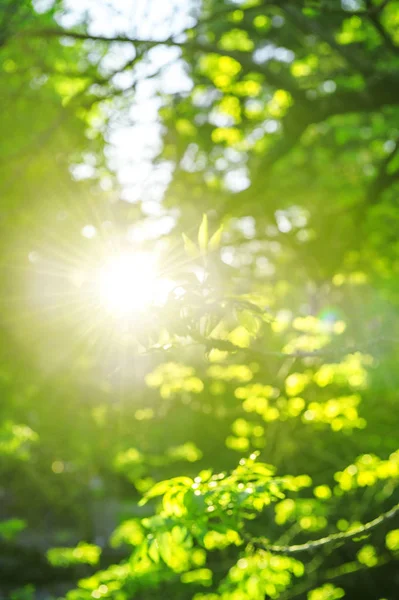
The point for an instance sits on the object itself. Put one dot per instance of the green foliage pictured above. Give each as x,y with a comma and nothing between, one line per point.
25,593
9,529
260,575
392,540
15,440
326,592
88,554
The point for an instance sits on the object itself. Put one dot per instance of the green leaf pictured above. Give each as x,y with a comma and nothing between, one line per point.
10,528
215,240
189,246
157,490
153,551
164,542
249,321
88,554
203,234
201,576
392,540
160,488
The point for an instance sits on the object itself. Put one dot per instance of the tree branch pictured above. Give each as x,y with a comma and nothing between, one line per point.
279,80
384,179
312,26
331,539
375,9
373,16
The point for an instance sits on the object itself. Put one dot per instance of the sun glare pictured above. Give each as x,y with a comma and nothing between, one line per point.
130,283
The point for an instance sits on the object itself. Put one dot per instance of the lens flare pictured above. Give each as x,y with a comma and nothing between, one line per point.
130,283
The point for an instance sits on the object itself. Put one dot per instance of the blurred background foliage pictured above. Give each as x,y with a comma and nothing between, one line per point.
197,449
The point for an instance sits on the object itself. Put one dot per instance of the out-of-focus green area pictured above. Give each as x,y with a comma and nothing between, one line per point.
198,375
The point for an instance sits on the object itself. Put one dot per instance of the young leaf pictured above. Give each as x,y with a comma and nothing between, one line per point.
203,234
249,321
153,551
215,240
189,246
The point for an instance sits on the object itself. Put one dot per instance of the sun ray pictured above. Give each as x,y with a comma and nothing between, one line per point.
129,283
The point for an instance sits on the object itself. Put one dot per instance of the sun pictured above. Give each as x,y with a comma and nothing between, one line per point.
130,283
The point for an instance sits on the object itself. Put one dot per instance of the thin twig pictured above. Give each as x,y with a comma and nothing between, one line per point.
331,539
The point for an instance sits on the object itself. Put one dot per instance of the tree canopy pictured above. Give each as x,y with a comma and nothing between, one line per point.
199,300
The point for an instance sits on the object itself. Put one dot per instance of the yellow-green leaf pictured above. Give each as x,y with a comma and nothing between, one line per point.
189,246
215,240
203,234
